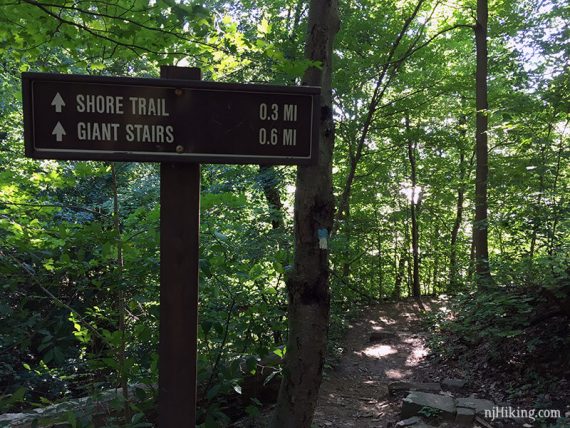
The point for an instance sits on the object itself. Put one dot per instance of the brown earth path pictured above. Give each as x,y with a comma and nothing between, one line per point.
385,344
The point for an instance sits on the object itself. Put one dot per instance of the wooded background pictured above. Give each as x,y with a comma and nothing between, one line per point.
449,169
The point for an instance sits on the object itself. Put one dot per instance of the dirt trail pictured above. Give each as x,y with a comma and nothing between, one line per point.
383,346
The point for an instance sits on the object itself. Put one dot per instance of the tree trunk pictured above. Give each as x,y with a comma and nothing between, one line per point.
453,279
557,206
121,299
482,267
537,212
408,258
416,290
471,267
380,267
435,277
308,282
409,279
346,252
269,181
400,275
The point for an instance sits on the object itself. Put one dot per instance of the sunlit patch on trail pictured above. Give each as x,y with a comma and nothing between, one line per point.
396,374
417,354
384,321
379,351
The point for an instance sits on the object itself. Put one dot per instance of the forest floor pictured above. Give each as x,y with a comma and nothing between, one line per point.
385,344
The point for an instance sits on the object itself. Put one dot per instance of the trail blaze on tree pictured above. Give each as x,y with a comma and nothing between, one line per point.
308,283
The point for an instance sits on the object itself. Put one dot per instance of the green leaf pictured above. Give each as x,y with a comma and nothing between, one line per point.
206,326
251,364
252,411
48,356
18,395
213,391
280,352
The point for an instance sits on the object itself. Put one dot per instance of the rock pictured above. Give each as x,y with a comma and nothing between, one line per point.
415,422
409,422
97,407
477,404
380,336
453,384
464,416
398,387
482,422
415,401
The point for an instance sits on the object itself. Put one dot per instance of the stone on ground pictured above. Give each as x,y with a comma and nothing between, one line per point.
464,416
413,421
416,401
477,404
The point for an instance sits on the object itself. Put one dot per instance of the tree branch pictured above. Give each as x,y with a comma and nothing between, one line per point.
431,39
60,302
125,19
131,46
71,207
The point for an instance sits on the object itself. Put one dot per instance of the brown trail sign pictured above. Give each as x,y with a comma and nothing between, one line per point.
179,121
172,120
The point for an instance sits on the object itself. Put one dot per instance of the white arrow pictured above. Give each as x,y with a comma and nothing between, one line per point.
58,103
59,132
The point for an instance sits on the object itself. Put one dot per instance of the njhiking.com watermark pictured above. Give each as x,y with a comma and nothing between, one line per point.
508,412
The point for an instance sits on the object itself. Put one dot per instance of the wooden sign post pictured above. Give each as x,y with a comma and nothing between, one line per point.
179,121
179,264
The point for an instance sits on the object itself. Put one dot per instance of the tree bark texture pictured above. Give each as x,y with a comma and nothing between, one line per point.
308,281
453,268
560,203
416,290
482,267
400,275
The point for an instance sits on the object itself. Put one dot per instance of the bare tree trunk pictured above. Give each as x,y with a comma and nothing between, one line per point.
435,281
121,299
416,290
308,282
453,279
471,268
537,211
346,252
380,267
556,210
269,182
400,275
482,267
408,258
409,279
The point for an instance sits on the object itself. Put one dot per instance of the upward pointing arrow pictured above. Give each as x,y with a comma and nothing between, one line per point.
58,103
59,132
